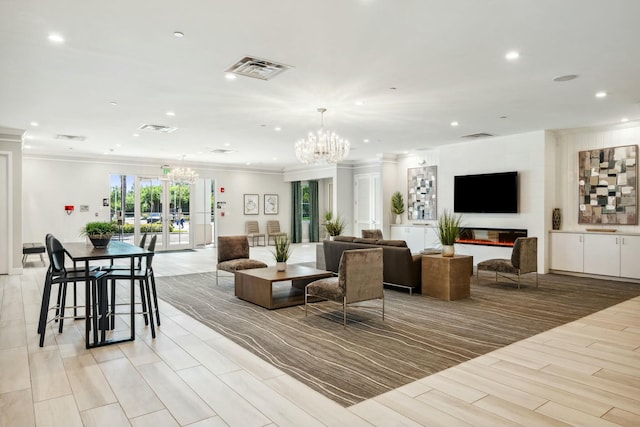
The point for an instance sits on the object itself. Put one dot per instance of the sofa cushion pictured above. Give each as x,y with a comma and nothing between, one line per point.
328,288
398,243
366,241
343,238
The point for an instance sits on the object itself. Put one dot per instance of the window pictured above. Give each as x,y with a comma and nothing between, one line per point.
305,201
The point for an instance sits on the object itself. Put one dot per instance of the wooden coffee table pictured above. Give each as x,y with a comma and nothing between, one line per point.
256,285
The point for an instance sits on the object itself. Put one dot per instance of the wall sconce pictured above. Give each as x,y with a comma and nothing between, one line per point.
68,209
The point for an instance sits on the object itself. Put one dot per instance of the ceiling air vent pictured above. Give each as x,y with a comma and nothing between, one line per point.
221,151
158,128
71,137
257,68
478,135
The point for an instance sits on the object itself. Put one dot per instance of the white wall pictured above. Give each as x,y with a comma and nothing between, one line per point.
50,183
568,144
11,150
524,153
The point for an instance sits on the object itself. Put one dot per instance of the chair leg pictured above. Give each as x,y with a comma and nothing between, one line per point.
42,327
344,312
306,295
150,306
383,306
143,299
518,279
112,323
155,297
61,303
94,310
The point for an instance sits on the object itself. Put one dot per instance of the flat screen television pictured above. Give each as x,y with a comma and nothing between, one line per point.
486,193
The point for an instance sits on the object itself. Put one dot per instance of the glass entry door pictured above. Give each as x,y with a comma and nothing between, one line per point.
162,208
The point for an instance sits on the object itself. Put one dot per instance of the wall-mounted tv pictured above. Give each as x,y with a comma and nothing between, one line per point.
486,193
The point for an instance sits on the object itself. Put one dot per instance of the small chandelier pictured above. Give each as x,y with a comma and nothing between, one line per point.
323,146
182,175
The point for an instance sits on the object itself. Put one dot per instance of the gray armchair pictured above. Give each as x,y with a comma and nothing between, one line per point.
359,279
273,231
233,255
524,259
253,232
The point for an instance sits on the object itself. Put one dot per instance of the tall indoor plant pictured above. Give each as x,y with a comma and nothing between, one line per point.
334,226
397,206
448,230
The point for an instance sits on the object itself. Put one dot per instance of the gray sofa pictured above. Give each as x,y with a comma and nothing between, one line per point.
400,267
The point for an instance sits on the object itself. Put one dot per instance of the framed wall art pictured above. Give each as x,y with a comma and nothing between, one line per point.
421,186
251,204
270,204
607,185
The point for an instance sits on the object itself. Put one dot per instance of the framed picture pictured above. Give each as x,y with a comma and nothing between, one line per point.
270,204
251,204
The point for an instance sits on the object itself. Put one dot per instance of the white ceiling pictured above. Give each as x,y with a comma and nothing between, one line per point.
446,60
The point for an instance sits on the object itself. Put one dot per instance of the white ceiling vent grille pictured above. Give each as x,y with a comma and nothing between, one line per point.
71,137
478,135
221,151
257,68
158,128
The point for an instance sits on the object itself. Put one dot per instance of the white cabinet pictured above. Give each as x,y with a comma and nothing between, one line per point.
595,253
567,252
602,254
629,259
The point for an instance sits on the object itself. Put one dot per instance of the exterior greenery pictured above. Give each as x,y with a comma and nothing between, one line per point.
397,203
449,228
334,226
99,229
282,248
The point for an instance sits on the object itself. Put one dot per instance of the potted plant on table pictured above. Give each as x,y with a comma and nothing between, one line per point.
448,230
99,233
334,226
282,252
397,206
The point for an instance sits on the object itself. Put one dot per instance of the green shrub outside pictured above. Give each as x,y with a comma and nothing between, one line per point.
146,228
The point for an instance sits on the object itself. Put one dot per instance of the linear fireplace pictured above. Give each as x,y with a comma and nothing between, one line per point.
490,236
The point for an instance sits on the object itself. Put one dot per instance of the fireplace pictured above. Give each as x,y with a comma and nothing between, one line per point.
490,236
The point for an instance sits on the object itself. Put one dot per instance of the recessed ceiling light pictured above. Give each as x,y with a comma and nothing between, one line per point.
624,119
113,103
359,103
171,113
512,55
34,124
248,163
118,145
366,141
227,144
601,94
565,78
56,38
405,152
277,128
178,34
136,134
230,76
27,146
454,124
274,158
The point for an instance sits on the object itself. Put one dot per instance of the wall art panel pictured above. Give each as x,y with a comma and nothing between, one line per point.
422,193
608,186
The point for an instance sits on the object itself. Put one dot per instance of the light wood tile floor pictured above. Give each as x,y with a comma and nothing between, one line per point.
586,373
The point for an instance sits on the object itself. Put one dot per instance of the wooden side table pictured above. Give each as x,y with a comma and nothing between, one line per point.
447,278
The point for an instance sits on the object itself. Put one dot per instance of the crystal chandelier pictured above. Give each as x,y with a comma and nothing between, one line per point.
182,175
324,146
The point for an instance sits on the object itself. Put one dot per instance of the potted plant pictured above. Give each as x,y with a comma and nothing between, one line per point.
282,252
448,231
397,206
334,226
99,233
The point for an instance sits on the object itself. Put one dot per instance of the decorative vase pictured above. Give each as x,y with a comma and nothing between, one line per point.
100,242
556,219
398,219
448,250
281,266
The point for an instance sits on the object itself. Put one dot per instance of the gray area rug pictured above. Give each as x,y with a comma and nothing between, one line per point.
419,336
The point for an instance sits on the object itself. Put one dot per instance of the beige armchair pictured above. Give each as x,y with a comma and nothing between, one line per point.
372,234
524,259
233,255
359,279
253,232
273,231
